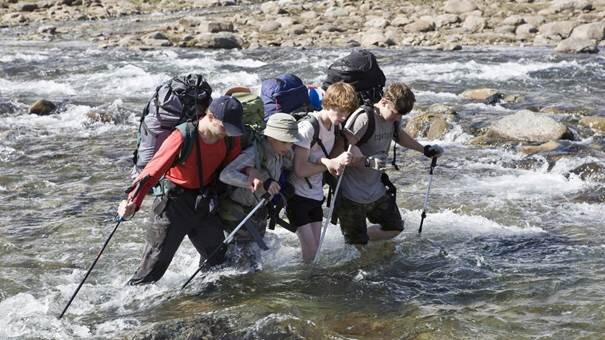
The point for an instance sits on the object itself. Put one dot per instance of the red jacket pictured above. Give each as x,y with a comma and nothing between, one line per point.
185,174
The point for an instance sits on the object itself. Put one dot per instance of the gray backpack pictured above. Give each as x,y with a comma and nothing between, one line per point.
178,100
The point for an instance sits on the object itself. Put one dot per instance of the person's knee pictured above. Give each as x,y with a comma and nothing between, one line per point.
150,276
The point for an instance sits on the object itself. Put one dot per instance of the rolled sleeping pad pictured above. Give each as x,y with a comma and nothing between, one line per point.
316,96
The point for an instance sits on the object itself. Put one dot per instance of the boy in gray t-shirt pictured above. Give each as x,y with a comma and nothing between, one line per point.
364,194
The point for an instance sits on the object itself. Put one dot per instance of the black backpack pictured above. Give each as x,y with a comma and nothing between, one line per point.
360,69
174,102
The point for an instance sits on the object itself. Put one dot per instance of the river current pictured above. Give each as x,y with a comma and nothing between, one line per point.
513,246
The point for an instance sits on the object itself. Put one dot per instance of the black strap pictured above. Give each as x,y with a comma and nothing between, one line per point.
396,126
369,110
199,162
316,140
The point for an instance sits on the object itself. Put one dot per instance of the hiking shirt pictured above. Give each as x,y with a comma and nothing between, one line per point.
361,184
185,174
271,165
305,130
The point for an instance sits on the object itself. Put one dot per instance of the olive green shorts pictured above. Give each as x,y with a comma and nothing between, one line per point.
352,216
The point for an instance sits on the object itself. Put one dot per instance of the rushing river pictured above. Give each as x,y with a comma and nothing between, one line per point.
513,246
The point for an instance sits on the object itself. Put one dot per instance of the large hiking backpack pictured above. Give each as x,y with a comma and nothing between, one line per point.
360,69
253,107
174,102
286,94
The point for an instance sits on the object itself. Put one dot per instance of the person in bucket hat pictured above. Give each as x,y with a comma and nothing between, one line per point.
256,171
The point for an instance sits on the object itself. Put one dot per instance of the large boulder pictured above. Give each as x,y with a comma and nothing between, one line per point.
594,122
376,22
563,5
336,12
42,107
525,31
595,30
156,39
272,7
513,20
375,38
420,25
215,26
459,6
446,20
474,24
217,40
558,29
524,126
433,123
574,45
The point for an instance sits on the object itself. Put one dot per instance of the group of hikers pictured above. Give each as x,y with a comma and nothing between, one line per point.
212,169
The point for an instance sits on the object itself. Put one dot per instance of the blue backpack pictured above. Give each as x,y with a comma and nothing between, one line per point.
285,93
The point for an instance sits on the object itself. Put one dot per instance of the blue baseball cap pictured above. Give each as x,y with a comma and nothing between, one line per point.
230,111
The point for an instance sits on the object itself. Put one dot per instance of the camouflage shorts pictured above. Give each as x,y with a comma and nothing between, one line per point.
352,216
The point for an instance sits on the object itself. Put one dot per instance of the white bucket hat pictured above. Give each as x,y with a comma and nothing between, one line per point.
282,127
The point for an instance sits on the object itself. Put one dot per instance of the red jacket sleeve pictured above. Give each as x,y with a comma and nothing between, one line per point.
162,160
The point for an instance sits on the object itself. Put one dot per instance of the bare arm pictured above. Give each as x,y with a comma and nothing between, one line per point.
302,166
407,141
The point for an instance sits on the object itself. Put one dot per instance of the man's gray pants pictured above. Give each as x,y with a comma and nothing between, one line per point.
173,219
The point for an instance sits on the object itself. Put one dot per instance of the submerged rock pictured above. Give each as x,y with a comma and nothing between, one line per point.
198,327
546,147
479,94
42,107
593,171
564,109
594,122
8,108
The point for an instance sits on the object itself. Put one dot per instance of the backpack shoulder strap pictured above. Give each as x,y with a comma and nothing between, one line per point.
189,132
316,140
371,125
396,127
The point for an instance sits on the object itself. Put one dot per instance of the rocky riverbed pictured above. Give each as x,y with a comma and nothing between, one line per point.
566,25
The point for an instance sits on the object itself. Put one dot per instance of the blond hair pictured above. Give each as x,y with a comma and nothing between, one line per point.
401,96
340,97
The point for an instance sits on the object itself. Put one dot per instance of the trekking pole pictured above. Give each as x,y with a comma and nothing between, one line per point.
426,196
92,266
226,241
330,212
